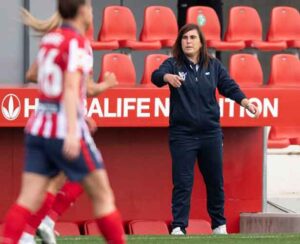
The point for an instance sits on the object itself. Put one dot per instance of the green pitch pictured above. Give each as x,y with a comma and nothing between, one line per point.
230,239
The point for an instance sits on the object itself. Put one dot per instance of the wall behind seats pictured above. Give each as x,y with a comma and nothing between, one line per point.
42,10
11,48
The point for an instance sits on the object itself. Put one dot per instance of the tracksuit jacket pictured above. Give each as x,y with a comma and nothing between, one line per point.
194,109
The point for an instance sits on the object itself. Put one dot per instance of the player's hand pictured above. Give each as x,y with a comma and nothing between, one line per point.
91,124
173,80
253,109
110,79
71,147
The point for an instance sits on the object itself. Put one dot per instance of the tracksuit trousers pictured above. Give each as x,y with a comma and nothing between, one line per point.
208,153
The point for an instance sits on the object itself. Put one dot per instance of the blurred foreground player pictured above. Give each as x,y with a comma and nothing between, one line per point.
58,199
57,136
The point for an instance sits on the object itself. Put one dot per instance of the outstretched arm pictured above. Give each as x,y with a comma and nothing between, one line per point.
94,89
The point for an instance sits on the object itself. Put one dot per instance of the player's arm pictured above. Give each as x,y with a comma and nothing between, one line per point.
31,74
71,147
94,89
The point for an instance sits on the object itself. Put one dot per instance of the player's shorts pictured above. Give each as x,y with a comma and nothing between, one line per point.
45,156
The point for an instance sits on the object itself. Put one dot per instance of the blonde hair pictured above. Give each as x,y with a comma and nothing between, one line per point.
40,26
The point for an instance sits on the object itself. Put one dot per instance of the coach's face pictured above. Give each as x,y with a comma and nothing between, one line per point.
191,43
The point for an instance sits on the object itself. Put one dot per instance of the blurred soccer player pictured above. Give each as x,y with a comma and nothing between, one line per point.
57,136
55,205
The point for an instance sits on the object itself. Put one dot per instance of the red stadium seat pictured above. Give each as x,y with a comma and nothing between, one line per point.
67,229
283,136
98,45
278,143
246,70
152,62
285,26
119,25
208,20
159,25
91,228
198,226
245,25
285,70
148,227
121,65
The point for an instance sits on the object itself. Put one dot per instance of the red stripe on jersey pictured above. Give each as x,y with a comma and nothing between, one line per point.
54,125
41,129
87,156
29,123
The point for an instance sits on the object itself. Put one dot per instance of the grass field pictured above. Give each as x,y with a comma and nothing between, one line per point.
208,239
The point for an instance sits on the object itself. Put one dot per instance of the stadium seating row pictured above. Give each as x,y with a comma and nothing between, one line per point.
244,68
135,227
118,29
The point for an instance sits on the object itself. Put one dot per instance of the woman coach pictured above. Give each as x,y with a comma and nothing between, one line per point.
194,131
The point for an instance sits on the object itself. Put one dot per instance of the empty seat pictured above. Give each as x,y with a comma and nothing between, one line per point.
152,62
198,227
91,228
121,65
283,136
99,45
244,24
119,25
148,227
67,229
278,143
159,25
209,23
285,70
285,26
246,70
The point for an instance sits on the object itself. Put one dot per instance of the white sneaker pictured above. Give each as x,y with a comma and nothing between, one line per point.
177,232
26,238
46,233
220,230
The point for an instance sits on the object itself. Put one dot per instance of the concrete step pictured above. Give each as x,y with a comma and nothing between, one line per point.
269,223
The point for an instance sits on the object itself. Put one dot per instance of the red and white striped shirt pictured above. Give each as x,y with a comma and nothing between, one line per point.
62,50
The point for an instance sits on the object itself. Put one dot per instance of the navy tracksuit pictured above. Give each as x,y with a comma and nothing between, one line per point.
195,133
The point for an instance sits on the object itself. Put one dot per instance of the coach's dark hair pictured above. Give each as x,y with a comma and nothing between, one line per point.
68,9
177,51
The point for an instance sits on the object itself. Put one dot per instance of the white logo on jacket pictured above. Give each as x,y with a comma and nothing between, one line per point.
182,75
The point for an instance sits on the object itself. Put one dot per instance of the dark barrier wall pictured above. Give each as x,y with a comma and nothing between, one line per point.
139,167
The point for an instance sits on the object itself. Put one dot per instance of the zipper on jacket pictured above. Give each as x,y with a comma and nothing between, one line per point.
195,71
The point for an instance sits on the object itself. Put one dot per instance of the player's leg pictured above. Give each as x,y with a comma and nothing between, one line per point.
108,217
38,171
63,200
30,198
34,221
